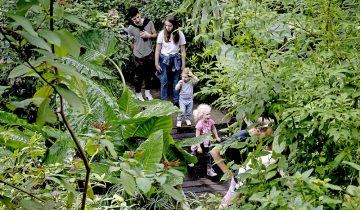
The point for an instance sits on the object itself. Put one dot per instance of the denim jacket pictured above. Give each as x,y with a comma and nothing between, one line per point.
173,60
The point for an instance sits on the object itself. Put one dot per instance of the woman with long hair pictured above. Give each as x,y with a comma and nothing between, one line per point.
170,57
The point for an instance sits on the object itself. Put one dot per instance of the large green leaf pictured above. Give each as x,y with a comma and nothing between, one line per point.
22,104
146,128
192,141
128,182
60,150
45,113
25,69
7,202
127,105
354,165
188,157
174,193
14,139
69,43
72,98
65,69
35,40
102,107
99,44
50,36
89,69
12,120
3,88
25,23
103,168
42,93
155,108
75,20
153,150
144,184
22,6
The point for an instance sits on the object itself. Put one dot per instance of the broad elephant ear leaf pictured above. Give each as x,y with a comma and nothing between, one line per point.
155,108
99,44
127,104
89,69
146,128
102,106
152,150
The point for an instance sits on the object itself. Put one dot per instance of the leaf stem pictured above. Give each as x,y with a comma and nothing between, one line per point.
120,72
22,190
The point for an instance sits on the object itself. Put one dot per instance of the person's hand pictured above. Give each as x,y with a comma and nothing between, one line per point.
199,150
190,74
181,82
158,68
218,139
144,34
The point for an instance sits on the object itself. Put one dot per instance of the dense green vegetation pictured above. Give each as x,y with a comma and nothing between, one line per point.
73,136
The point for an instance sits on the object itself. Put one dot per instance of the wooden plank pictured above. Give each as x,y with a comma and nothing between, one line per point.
192,183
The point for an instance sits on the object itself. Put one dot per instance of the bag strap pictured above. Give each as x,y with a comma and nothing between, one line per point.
141,28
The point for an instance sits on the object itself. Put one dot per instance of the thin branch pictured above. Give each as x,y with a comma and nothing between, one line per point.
82,153
38,27
22,190
304,29
68,126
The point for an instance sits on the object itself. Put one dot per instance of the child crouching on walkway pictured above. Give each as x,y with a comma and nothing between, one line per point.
203,126
186,87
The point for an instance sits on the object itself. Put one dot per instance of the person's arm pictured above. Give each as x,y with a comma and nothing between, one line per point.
132,39
157,55
193,77
197,134
151,35
183,56
178,85
214,131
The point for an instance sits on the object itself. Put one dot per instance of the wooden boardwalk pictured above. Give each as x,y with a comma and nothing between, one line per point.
196,180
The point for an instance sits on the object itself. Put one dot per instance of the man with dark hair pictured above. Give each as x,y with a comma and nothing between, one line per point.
142,30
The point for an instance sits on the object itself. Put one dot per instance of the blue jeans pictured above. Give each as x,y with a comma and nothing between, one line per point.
167,63
186,105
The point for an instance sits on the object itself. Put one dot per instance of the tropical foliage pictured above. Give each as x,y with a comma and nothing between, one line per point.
84,137
297,62
73,136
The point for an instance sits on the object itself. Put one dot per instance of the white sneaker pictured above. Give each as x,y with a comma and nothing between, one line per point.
139,96
211,172
188,122
148,95
178,124
191,165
